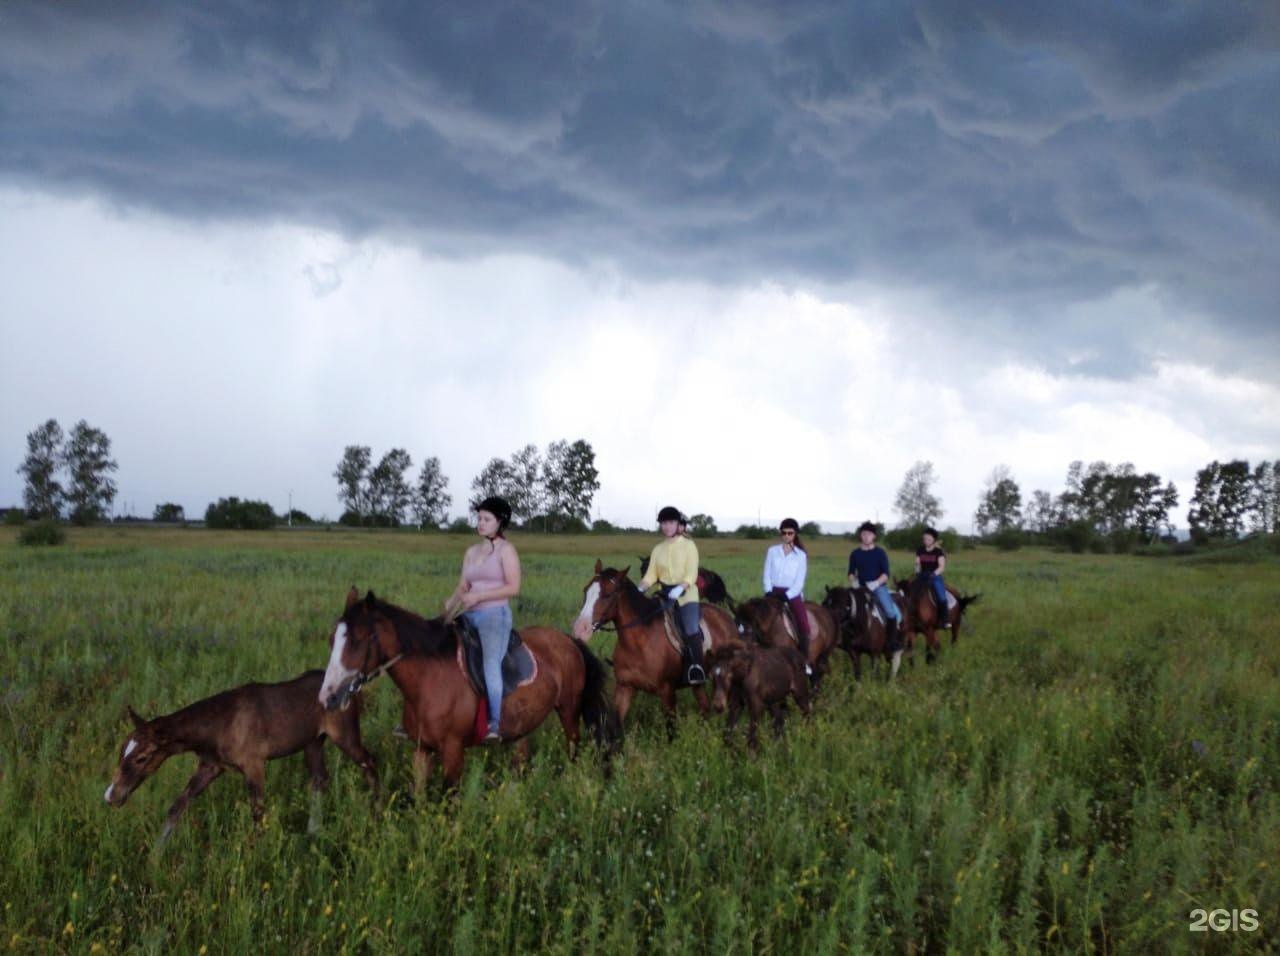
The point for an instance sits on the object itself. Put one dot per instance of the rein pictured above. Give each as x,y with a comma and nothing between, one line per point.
639,622
362,680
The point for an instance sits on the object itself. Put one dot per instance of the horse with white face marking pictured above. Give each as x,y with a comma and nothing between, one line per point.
644,658
240,729
421,657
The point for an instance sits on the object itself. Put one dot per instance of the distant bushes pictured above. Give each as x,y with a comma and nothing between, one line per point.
169,512
14,518
232,513
44,532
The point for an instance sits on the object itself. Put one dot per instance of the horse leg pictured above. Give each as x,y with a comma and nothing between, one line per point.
735,711
755,707
424,764
255,777
704,705
930,644
451,758
668,697
622,694
897,662
569,720
350,744
779,710
205,774
314,754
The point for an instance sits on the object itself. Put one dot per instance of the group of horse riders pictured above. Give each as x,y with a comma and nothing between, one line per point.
491,572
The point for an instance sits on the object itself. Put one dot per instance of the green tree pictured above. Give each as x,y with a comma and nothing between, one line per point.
1040,513
42,493
353,474
232,513
702,526
915,501
1000,506
431,500
87,456
570,479
169,512
389,492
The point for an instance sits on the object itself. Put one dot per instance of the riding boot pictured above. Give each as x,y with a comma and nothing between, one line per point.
696,674
803,640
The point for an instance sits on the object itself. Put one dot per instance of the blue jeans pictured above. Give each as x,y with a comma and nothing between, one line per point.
887,604
494,625
940,593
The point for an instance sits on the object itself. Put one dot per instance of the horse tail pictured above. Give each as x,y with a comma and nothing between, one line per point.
964,600
596,711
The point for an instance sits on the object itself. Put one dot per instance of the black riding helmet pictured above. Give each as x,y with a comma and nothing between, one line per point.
497,507
669,513
931,532
869,526
789,524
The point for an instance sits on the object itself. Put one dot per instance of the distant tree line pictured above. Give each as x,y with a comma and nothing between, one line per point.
382,496
549,493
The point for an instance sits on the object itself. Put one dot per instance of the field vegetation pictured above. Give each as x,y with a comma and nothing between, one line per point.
1098,757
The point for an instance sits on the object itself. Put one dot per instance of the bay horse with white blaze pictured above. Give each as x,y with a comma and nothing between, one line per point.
440,704
644,658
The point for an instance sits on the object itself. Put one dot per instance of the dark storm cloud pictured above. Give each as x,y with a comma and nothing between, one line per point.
1016,159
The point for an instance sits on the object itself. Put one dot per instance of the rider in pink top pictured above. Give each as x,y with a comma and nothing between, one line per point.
490,578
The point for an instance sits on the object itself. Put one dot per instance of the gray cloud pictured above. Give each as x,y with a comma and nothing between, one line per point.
1020,161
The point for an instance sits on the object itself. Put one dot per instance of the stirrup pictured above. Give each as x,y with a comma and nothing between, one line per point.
696,675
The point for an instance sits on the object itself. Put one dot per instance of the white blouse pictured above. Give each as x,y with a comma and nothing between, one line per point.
782,570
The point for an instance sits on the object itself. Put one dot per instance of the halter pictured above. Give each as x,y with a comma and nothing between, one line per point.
361,680
643,619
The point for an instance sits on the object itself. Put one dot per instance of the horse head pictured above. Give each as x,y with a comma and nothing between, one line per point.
354,649
600,599
141,755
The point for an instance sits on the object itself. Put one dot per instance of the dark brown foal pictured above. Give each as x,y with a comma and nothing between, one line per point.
241,729
760,677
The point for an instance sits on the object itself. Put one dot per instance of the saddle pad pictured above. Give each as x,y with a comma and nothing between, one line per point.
519,666
673,633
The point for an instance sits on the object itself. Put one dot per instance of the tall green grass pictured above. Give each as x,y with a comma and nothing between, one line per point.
1098,757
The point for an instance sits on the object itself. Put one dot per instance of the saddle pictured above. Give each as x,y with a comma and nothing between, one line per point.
676,639
789,623
519,666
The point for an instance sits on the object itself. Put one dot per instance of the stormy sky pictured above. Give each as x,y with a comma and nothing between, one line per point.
762,256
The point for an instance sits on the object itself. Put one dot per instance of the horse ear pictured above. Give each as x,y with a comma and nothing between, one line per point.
369,600
623,572
599,566
353,596
138,722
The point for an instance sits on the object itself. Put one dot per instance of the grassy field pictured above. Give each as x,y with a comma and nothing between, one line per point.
1096,759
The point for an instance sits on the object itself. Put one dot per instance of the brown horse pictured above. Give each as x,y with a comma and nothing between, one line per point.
644,658
760,678
923,616
440,703
766,618
241,729
861,631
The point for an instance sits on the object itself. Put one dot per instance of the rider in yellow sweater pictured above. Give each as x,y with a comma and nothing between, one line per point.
673,566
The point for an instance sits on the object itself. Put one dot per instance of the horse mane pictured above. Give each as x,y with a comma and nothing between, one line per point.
418,636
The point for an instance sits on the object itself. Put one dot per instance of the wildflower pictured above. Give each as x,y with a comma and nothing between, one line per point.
69,929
